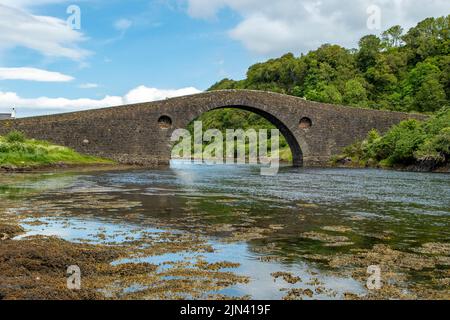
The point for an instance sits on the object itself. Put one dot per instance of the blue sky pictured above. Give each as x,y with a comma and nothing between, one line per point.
143,50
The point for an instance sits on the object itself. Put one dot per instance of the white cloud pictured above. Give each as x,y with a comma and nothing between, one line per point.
47,35
143,93
205,8
123,24
274,27
88,86
46,105
254,32
33,74
10,99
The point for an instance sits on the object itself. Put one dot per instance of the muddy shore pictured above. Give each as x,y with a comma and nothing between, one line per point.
34,268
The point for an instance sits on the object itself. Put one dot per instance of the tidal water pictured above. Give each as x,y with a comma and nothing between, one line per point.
266,224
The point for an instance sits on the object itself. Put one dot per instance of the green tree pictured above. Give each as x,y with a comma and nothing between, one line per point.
424,86
369,49
430,96
325,93
355,94
436,148
430,37
224,84
392,37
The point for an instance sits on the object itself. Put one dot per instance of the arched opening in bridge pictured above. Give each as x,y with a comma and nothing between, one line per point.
165,122
246,118
305,123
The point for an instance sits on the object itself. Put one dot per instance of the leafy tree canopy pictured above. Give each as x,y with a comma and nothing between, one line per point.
398,71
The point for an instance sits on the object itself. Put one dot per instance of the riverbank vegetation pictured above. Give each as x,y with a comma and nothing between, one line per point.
422,144
18,152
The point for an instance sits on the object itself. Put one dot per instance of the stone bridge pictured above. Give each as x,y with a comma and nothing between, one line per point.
140,133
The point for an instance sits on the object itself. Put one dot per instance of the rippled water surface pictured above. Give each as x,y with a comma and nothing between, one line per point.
266,224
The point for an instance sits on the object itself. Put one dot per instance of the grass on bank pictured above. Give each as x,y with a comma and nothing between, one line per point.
18,151
411,142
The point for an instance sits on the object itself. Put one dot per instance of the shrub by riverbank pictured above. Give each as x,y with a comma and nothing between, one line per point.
18,153
418,145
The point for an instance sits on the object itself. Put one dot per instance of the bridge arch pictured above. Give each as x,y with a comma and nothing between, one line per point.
291,139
